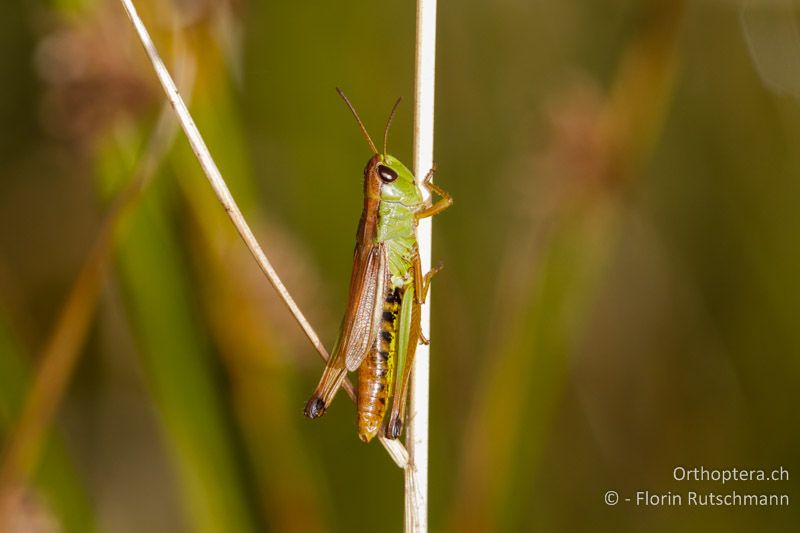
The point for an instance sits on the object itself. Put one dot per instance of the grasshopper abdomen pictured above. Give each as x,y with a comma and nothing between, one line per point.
376,373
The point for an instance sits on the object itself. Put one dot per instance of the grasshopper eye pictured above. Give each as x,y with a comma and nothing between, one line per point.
387,174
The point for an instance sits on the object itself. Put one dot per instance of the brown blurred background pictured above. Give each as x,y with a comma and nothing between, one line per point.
620,294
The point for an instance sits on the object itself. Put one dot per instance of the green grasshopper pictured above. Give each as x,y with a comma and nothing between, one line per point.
381,326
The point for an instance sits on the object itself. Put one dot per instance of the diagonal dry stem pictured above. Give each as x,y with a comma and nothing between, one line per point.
395,449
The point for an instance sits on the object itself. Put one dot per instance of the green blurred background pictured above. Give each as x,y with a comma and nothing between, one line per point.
622,272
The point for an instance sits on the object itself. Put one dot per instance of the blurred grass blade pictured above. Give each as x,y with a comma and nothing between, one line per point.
773,39
524,384
180,372
65,343
250,328
179,367
519,391
56,477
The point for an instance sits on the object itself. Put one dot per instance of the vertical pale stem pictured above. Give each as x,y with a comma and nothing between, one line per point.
417,439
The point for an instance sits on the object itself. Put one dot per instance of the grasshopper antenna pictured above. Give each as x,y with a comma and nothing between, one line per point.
358,119
389,123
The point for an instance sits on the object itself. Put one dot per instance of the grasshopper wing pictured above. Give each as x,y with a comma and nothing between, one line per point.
365,303
360,324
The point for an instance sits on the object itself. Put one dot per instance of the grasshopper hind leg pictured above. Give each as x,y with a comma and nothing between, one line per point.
409,325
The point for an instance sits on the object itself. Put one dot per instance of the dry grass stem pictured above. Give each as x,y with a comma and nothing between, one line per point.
416,486
201,151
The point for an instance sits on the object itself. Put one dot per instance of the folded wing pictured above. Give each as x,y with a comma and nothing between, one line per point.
361,321
360,324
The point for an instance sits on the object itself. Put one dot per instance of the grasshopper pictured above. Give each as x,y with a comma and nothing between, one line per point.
381,325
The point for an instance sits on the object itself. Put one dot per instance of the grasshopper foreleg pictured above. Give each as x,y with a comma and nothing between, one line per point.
430,208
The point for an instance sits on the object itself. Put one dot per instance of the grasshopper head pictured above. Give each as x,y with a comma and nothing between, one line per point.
385,175
395,181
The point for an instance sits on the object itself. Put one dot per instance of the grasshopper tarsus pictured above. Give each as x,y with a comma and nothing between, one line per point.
394,428
423,339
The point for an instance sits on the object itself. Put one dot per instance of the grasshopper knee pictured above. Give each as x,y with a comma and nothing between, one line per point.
315,407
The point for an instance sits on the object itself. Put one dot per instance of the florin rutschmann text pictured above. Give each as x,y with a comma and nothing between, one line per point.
700,476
